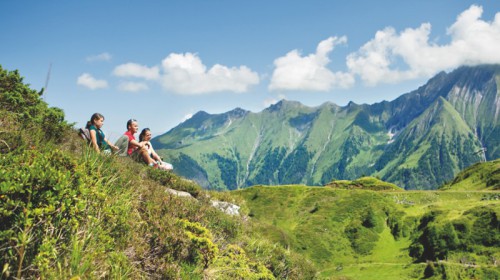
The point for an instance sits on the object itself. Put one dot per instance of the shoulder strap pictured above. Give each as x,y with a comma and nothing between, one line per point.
84,133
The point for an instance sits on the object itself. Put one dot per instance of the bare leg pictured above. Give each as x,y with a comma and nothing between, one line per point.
145,155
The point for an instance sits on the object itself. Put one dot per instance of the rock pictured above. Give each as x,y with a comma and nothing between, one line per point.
226,207
179,193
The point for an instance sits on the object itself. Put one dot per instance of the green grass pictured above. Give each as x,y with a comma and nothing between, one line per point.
365,183
312,221
480,176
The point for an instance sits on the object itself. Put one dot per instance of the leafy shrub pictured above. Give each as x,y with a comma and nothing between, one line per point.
233,263
202,247
429,270
28,108
436,239
362,239
40,208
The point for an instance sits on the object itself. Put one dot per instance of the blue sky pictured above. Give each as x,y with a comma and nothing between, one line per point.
162,61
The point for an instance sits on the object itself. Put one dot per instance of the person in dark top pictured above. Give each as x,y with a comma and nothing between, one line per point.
97,138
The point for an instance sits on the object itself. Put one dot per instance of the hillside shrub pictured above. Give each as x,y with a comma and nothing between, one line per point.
485,229
475,231
202,248
28,109
40,207
362,239
233,263
48,197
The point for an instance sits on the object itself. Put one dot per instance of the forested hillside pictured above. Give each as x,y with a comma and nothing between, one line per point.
418,141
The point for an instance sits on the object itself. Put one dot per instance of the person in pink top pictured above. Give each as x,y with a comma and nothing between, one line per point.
137,150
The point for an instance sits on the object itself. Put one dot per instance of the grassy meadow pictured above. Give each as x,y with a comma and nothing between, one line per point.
317,222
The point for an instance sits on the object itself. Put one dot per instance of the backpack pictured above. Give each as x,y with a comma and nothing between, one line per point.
122,144
85,134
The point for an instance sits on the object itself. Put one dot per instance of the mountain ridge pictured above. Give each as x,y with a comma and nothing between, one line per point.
291,143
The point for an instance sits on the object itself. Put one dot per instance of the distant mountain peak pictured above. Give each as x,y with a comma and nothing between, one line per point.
418,141
238,112
284,104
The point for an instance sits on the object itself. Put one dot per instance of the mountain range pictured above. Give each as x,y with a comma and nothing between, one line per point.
420,140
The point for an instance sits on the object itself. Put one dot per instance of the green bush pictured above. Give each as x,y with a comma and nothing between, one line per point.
202,248
28,109
233,263
40,209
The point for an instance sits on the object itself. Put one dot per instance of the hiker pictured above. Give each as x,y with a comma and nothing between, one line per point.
97,138
145,138
137,150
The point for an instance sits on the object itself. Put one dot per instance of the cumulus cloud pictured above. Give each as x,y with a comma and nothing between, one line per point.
132,86
100,57
137,71
186,74
90,82
473,41
392,56
296,72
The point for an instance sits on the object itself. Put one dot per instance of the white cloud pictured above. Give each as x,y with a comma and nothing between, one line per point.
473,41
132,86
90,82
296,72
137,71
100,57
186,74
187,117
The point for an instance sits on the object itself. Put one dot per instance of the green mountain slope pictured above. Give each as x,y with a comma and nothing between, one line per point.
418,141
480,176
432,148
363,234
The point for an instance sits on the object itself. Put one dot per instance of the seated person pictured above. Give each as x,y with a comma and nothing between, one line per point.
97,138
137,150
145,138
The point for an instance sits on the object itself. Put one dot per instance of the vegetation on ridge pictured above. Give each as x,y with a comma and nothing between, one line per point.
480,176
364,183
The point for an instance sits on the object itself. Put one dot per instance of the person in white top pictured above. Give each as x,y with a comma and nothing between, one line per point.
145,138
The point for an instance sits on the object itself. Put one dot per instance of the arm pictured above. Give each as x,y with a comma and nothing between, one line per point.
137,143
111,145
93,140
154,155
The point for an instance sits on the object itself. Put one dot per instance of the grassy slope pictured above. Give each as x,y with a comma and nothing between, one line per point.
480,176
312,221
67,212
